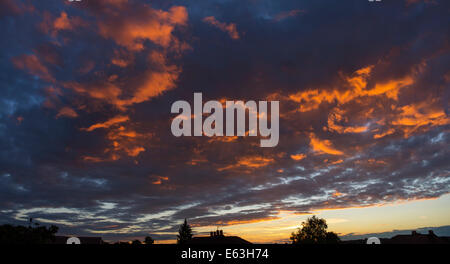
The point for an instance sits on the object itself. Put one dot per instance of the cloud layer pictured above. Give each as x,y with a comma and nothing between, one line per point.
87,89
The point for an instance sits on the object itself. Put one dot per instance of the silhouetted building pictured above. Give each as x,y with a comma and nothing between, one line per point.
217,238
413,238
417,238
83,240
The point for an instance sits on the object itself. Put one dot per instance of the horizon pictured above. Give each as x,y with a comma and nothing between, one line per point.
333,226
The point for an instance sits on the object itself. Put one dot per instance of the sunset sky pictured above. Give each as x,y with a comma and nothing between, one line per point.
87,87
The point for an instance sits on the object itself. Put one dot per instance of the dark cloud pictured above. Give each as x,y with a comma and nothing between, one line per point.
363,91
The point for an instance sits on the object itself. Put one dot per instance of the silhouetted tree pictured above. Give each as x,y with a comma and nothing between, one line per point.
184,233
332,238
136,242
149,240
314,231
27,235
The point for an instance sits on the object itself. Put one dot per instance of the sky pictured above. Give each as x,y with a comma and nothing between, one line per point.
87,88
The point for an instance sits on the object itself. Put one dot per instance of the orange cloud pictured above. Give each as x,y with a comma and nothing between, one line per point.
63,22
131,33
92,159
126,141
122,58
389,88
133,152
67,112
298,157
196,161
323,146
249,162
337,194
154,85
229,28
337,116
119,90
374,161
255,162
144,86
420,117
222,139
381,135
286,14
113,121
148,24
312,99
123,140
33,65
159,179
101,90
335,162
122,132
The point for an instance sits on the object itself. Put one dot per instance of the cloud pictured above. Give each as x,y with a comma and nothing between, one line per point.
362,122
383,134
299,156
286,14
312,99
12,7
113,121
337,116
249,162
323,146
33,65
155,83
420,116
145,24
67,112
229,28
159,180
63,22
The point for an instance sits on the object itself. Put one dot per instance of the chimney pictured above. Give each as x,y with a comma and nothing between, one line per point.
211,234
431,233
220,232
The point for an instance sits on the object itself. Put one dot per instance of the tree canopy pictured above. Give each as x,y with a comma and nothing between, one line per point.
314,231
10,234
149,240
184,233
136,242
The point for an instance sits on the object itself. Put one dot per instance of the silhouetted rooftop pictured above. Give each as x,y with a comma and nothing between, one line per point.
413,238
83,240
217,238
